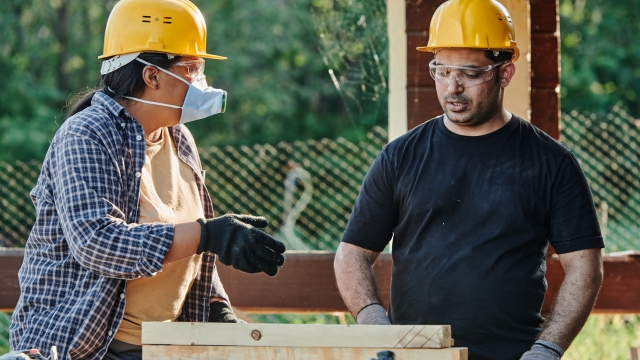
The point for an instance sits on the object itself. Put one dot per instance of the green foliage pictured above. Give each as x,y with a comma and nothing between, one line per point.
600,48
5,318
279,86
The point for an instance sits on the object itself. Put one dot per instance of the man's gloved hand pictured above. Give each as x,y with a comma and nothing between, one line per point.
543,350
237,242
372,314
220,311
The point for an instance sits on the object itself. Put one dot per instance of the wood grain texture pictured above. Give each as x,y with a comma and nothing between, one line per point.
306,283
10,262
156,352
298,335
545,66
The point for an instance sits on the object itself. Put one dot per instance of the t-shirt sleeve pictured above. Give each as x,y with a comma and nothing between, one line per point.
373,217
573,223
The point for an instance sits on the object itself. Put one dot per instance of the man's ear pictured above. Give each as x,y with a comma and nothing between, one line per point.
150,76
506,74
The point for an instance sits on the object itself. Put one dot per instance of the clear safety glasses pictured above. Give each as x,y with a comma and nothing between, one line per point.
465,76
195,68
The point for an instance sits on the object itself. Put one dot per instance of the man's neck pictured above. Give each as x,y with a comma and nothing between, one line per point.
495,123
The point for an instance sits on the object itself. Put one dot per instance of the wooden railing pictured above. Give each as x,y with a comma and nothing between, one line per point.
306,283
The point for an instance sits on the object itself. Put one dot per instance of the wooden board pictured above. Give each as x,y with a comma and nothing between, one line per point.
150,352
297,335
307,274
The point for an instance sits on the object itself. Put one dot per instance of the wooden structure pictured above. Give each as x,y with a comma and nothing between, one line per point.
635,353
532,95
163,340
307,284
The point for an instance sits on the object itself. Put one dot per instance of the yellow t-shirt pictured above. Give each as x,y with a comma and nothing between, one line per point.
168,194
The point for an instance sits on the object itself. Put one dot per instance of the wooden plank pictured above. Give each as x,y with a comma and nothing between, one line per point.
419,13
545,110
545,67
544,16
422,105
297,335
306,283
158,352
418,64
10,262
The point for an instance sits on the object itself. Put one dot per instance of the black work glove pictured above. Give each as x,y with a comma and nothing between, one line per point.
220,311
238,243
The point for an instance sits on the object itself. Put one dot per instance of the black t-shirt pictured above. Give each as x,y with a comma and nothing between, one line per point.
471,218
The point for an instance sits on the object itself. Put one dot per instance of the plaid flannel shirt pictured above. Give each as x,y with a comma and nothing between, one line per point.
86,242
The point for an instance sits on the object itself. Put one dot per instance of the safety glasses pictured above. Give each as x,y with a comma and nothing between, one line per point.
195,68
466,76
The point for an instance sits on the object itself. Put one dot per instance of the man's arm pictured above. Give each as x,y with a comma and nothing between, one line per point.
576,297
356,280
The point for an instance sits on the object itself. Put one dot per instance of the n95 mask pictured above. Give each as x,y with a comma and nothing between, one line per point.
200,102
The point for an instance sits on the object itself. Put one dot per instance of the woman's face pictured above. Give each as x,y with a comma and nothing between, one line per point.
173,91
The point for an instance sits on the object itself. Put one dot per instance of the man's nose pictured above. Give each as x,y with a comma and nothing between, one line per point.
455,85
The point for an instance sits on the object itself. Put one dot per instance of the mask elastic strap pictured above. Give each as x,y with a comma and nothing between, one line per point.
152,102
163,70
145,101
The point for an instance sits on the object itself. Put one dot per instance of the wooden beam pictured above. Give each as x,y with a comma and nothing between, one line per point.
10,262
158,352
297,335
306,283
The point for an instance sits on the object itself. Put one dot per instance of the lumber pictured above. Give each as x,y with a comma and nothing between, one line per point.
297,335
160,352
306,274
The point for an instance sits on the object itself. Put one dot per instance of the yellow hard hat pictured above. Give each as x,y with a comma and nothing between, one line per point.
174,27
472,24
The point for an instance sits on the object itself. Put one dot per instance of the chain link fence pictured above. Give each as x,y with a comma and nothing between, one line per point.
307,188
608,149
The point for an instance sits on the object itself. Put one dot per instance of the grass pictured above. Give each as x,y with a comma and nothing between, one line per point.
603,336
606,337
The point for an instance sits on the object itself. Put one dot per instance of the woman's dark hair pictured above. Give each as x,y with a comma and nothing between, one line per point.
126,81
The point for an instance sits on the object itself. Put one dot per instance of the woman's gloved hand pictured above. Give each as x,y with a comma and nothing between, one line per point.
220,311
238,243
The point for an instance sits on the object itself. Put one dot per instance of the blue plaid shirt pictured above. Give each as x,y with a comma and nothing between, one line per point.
86,241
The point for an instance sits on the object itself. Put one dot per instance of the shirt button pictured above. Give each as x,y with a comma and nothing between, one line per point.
138,174
138,137
122,296
110,332
122,124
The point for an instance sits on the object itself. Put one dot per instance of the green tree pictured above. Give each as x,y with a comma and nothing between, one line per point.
600,48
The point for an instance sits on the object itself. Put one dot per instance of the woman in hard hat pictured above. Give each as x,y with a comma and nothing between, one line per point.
125,231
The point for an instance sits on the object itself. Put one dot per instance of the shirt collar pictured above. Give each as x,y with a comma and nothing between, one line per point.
104,100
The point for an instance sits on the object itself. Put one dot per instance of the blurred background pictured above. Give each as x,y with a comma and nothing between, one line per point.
307,114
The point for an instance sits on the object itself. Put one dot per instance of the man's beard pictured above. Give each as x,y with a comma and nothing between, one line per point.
485,111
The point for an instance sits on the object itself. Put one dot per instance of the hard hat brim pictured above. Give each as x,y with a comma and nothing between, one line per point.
205,56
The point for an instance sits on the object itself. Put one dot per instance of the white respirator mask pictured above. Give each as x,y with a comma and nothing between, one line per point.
201,101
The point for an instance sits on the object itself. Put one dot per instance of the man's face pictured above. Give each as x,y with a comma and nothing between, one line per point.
471,105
